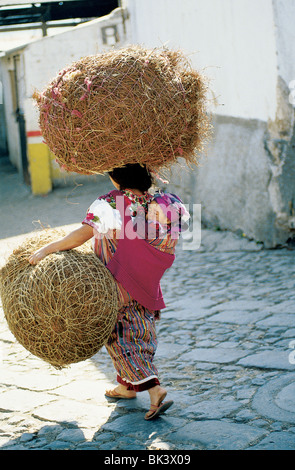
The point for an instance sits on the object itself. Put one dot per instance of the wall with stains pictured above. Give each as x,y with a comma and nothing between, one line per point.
246,182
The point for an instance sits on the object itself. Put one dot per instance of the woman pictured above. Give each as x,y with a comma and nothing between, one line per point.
134,234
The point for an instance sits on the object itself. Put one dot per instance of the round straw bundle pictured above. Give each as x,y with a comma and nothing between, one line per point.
131,105
63,309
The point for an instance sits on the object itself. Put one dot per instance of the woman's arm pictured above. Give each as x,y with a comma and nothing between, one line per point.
72,240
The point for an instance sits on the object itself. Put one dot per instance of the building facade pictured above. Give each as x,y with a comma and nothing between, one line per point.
30,67
246,182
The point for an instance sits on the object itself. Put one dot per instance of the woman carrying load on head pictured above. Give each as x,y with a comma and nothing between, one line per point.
134,234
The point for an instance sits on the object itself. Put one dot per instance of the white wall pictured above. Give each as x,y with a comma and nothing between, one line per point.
285,35
40,61
46,57
234,40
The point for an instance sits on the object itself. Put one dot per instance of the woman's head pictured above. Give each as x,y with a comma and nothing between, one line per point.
132,176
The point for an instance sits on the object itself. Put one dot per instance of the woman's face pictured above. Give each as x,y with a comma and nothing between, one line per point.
114,183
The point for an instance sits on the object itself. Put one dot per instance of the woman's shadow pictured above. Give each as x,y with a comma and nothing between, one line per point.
123,426
124,429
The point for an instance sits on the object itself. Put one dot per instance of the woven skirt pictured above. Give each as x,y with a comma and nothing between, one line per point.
132,345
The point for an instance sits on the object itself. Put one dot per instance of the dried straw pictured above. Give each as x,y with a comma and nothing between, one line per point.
63,309
131,105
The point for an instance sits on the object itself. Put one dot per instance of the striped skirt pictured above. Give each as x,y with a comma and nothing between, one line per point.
132,346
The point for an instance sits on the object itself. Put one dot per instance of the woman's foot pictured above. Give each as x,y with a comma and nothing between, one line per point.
157,395
158,406
120,392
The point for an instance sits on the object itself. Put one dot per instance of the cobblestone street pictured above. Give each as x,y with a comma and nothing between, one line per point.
226,344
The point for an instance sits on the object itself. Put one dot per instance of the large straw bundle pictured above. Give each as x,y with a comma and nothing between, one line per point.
64,308
131,105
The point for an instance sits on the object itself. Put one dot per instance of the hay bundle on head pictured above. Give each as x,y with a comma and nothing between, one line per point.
63,309
131,105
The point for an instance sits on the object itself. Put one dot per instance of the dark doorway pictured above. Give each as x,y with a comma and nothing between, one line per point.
3,138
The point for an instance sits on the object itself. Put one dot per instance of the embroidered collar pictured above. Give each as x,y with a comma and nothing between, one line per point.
143,199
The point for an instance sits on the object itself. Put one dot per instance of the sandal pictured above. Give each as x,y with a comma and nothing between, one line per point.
156,410
117,396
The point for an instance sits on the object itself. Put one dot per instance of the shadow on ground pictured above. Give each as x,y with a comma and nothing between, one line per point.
124,429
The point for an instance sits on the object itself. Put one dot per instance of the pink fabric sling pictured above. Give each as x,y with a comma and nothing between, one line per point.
136,264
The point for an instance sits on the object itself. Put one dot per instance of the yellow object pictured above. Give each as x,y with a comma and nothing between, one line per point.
40,168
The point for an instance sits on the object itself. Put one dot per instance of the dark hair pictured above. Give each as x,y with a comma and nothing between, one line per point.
132,176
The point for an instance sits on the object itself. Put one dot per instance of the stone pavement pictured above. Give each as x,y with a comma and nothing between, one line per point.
226,351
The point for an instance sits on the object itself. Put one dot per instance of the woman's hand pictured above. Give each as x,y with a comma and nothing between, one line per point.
38,255
72,240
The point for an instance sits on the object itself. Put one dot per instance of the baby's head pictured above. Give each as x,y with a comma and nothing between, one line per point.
168,209
156,214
